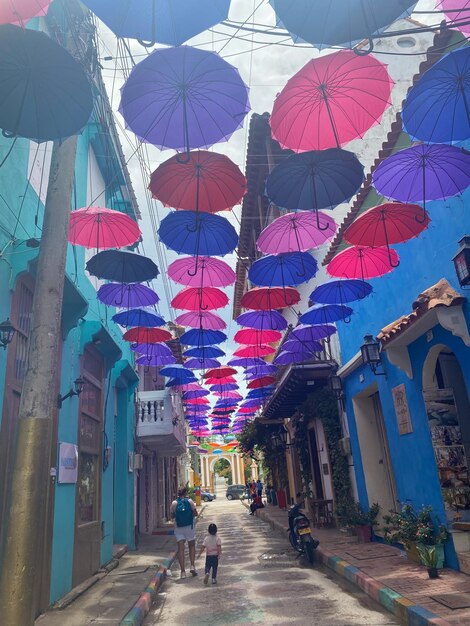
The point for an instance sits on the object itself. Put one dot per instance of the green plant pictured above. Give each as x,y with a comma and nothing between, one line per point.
428,556
409,526
351,513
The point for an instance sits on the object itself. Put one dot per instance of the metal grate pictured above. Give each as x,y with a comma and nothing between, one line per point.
454,600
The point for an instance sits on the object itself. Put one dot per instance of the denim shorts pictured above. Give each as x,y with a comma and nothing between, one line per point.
185,533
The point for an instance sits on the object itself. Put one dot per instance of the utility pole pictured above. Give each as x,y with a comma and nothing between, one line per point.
22,552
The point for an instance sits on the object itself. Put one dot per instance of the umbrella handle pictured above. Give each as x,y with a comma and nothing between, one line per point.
190,273
347,320
146,44
363,52
392,264
185,158
318,222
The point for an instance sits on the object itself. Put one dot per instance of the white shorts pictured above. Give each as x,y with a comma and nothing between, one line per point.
185,533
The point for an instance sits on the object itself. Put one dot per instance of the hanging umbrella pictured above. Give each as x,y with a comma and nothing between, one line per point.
204,352
265,298
249,351
156,361
333,99
280,270
247,362
437,108
327,23
201,272
253,403
260,370
265,381
201,319
289,358
340,291
265,392
170,22
184,98
176,371
126,296
196,394
232,395
138,317
208,182
220,372
325,314
45,93
177,382
296,232
201,364
99,228
423,172
189,399
315,180
142,334
152,349
361,262
305,332
185,386
251,336
201,337
262,320
457,13
20,11
302,347
220,381
193,299
122,267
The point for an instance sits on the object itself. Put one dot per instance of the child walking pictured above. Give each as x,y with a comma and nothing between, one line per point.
213,547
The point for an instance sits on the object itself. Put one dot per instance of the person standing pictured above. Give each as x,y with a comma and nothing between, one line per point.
183,510
213,547
259,488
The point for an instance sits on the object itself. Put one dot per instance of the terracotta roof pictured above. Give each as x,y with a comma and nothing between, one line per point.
434,53
440,294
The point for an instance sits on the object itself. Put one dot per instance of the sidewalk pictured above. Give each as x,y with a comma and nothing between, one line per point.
386,575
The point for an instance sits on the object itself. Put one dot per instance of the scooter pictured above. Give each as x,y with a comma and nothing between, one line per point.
300,534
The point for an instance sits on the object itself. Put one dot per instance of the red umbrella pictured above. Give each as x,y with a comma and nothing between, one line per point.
195,299
267,298
100,228
20,11
219,372
203,271
333,99
364,263
208,182
382,225
220,381
251,336
142,334
249,351
265,381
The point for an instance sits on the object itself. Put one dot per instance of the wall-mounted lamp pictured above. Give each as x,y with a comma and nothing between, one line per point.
78,384
462,261
7,330
335,385
279,438
370,351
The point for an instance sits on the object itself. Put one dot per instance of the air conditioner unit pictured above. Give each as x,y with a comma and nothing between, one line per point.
138,461
345,446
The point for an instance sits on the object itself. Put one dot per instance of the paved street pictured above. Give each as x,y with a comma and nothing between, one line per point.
260,581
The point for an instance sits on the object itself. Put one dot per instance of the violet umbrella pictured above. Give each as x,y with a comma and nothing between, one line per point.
296,232
363,262
296,346
265,368
305,332
290,358
201,272
184,98
201,364
197,393
201,337
156,361
201,319
260,320
126,296
151,349
204,352
246,362
325,314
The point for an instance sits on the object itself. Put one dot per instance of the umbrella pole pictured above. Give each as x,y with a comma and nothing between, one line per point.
347,320
187,157
330,114
421,221
314,191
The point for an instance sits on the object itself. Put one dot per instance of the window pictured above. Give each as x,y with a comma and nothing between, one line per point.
87,488
406,42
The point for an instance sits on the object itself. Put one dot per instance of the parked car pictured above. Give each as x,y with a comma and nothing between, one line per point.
235,492
206,496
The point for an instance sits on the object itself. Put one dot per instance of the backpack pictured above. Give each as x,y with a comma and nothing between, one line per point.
183,512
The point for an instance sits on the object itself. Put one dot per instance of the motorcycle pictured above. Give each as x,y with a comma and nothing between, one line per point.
300,534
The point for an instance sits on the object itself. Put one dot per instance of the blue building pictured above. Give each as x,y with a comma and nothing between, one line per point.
409,423
93,433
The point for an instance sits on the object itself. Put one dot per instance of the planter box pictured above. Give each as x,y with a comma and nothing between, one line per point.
364,534
413,554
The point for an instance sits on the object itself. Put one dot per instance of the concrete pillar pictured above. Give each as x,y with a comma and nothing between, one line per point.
254,470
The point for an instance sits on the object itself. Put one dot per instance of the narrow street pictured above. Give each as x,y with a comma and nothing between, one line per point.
260,581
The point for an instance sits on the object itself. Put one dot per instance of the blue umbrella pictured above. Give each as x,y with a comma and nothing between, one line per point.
246,362
138,317
126,295
437,109
174,382
320,179
281,270
122,267
176,371
201,364
341,291
252,403
325,314
264,392
262,320
204,352
224,387
202,337
171,22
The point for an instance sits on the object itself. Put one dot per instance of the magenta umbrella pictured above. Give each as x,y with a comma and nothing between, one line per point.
204,271
457,13
362,262
296,232
201,319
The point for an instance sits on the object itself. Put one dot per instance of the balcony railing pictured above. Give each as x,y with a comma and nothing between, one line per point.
160,420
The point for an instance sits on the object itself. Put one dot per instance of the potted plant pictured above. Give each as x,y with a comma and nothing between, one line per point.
429,558
360,520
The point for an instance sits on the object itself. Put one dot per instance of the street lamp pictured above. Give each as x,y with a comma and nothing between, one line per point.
462,261
280,438
370,351
79,384
7,330
336,385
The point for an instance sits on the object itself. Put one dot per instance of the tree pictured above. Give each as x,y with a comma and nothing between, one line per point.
223,468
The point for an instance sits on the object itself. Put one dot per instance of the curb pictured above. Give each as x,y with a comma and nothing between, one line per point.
403,608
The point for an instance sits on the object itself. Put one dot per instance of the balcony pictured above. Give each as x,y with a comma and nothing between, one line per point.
160,422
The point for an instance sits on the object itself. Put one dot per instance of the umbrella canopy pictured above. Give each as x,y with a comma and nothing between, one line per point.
327,23
127,296
340,291
138,317
46,94
288,358
220,372
224,387
290,268
233,395
142,334
251,336
198,234
184,98
206,182
265,298
122,267
217,381
260,320
325,314
201,364
171,22
185,387
436,109
260,370
151,349
265,381
201,337
362,262
305,332
176,371
253,403
204,352
260,393
20,11
156,361
257,351
296,232
201,319
100,228
196,393
456,11
333,99
302,348
201,272
194,299
197,401
246,362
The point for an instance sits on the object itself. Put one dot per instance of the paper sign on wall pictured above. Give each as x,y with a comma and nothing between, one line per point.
68,463
401,409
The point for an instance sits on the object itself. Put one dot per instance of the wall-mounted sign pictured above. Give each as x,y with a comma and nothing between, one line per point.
401,409
68,463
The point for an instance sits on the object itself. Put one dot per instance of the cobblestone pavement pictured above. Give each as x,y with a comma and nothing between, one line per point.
261,581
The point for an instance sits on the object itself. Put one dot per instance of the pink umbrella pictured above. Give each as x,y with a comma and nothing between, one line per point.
187,387
457,11
195,299
232,395
247,351
20,11
201,319
362,262
296,232
100,228
204,271
251,336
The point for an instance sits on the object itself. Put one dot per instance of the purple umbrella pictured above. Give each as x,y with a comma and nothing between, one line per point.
184,98
127,296
288,358
197,393
201,364
151,349
302,347
423,172
224,387
255,402
261,370
156,361
246,362
306,332
262,320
